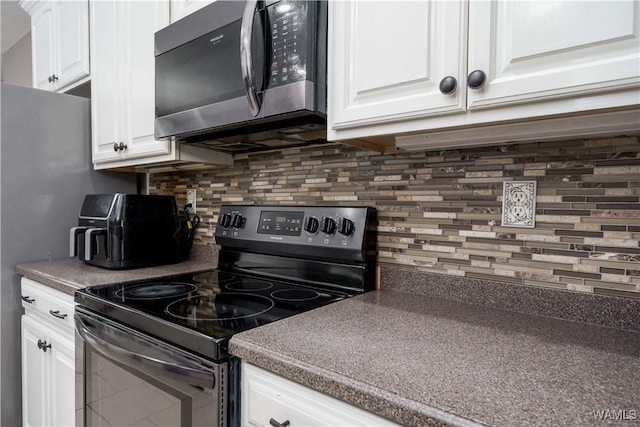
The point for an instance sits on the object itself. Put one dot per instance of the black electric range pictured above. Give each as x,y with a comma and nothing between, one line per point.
274,262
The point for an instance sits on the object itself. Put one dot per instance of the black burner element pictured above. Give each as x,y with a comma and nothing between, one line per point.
295,295
249,285
221,307
155,291
213,277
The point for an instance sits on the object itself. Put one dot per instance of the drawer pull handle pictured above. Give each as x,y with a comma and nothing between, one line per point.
27,299
42,345
57,314
274,423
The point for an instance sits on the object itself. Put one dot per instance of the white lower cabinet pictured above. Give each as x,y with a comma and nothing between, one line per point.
268,399
48,356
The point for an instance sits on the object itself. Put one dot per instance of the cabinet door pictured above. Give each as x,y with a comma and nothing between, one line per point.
182,8
72,29
140,20
538,50
105,81
387,59
43,46
62,380
34,381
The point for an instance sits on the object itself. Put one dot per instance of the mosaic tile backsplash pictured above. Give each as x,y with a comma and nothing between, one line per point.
441,211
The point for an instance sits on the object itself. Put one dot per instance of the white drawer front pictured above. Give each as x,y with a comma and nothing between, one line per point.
266,396
55,306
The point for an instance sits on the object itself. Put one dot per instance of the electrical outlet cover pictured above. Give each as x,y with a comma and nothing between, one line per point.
519,204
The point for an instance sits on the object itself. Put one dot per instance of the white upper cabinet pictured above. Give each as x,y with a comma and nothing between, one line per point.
535,50
389,58
182,8
123,89
393,67
60,43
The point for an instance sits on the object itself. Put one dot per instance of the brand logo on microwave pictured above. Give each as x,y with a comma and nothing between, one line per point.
275,238
216,39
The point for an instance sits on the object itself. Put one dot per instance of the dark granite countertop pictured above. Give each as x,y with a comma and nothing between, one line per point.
68,275
418,360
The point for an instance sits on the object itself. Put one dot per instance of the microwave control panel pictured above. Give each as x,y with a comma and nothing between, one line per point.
289,25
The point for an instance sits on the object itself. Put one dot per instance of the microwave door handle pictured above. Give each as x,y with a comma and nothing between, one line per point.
90,245
184,374
73,240
246,61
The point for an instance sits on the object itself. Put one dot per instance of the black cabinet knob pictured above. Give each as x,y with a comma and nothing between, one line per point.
346,227
476,79
27,299
42,345
275,423
328,225
312,225
54,77
119,147
448,85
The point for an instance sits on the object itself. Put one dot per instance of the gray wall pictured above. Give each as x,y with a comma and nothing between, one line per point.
16,63
45,171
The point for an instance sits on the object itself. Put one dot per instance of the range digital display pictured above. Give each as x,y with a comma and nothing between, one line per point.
280,223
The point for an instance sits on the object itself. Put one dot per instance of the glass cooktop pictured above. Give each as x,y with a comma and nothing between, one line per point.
201,311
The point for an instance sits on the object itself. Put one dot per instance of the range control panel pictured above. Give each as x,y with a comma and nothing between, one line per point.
295,229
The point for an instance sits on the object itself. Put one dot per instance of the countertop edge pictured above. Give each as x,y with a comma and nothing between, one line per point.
370,398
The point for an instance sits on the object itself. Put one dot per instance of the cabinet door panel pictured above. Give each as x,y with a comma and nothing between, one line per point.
72,18
34,383
105,86
532,50
386,60
142,20
62,371
182,8
43,45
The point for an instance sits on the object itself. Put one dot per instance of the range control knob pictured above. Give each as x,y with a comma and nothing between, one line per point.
328,225
237,221
225,220
346,226
312,225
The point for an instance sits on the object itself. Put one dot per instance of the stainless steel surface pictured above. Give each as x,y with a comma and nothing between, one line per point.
195,25
113,343
280,115
128,378
46,171
246,60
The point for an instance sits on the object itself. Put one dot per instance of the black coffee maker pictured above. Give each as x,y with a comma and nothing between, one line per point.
124,231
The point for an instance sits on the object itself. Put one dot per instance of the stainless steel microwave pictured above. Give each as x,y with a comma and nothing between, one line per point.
243,75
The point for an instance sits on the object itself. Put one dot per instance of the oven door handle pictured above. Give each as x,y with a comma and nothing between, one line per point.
197,376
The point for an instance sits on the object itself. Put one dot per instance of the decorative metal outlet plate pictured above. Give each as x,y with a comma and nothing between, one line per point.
519,204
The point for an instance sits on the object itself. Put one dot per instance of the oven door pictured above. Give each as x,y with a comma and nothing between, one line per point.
125,378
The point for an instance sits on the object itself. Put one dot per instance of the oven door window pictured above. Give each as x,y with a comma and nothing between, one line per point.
117,397
131,379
